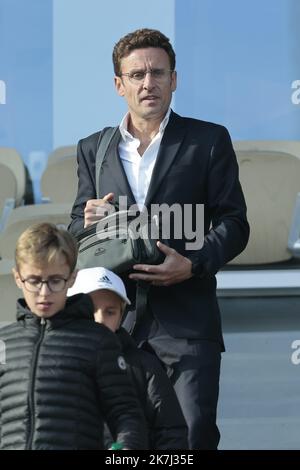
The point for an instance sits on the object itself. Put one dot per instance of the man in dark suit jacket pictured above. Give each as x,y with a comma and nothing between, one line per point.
158,157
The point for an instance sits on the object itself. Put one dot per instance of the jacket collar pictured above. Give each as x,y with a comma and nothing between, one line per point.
78,307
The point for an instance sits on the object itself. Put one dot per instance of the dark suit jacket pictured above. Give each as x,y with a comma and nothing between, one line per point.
196,164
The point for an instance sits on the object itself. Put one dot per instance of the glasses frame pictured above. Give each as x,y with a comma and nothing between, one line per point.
40,285
137,82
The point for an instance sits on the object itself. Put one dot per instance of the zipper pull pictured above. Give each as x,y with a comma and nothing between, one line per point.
43,321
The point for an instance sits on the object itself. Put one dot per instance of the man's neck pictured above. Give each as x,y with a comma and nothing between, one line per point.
144,130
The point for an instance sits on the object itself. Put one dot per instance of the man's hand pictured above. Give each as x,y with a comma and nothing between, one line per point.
96,209
175,268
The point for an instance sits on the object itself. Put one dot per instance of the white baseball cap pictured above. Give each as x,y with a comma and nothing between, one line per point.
91,279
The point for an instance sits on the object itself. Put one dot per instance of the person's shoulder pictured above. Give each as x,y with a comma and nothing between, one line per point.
106,335
97,337
206,125
21,312
93,139
8,328
11,334
199,124
127,342
88,146
80,309
90,140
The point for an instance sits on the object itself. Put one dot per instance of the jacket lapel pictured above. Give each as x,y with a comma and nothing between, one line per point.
169,147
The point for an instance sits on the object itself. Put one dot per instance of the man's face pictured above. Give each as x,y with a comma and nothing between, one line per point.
107,308
44,303
150,98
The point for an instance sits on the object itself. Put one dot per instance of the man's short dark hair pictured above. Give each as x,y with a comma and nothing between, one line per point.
141,39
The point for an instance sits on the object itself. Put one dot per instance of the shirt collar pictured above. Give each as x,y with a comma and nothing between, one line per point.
126,136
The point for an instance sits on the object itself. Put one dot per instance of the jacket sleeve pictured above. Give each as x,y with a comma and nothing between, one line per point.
118,401
167,426
229,231
86,153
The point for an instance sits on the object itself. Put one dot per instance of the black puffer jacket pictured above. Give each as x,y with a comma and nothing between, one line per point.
166,425
61,378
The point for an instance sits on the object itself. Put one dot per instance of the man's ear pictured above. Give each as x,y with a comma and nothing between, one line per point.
17,278
72,278
174,81
119,86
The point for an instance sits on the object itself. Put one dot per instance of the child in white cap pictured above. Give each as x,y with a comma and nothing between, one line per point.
166,424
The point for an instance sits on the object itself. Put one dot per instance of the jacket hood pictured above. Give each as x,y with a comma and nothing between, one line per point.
78,307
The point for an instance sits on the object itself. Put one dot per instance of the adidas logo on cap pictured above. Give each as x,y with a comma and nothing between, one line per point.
105,279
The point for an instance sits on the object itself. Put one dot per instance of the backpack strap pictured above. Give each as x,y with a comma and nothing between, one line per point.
132,319
105,138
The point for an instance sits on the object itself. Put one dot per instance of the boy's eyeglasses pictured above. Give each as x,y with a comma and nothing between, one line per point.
54,284
159,75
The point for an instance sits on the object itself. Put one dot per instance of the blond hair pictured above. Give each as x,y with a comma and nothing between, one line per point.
43,243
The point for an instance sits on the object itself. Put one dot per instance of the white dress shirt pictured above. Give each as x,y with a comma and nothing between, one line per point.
139,168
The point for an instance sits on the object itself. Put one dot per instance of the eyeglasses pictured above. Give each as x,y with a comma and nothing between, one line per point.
159,75
54,284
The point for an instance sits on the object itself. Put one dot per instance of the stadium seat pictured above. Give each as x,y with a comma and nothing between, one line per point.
271,181
59,180
8,193
286,146
62,152
9,292
24,216
11,158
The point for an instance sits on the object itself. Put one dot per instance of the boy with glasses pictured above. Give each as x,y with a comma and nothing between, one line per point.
64,374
